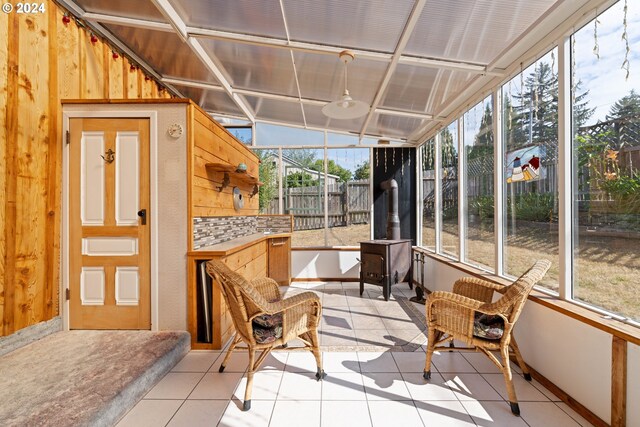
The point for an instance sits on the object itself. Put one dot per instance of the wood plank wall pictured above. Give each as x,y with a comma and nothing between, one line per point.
214,144
43,61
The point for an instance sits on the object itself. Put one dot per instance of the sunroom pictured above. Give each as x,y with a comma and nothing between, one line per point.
284,213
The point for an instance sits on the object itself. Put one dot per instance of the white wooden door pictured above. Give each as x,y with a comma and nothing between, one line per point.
109,228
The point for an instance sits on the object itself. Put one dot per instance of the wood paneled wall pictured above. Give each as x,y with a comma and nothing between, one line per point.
214,144
43,61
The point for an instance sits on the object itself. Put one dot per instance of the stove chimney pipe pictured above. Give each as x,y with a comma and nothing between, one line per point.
393,220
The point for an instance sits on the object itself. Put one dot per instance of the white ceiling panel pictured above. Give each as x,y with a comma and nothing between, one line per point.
422,89
139,9
258,68
257,17
392,126
165,52
211,100
472,30
360,24
279,111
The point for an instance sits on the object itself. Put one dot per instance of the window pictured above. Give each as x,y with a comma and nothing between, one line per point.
428,177
449,190
303,194
530,187
479,171
606,171
349,202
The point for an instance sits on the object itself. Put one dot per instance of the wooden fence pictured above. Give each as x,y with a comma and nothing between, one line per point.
348,203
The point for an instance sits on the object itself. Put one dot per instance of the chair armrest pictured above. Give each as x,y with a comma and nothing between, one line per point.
268,288
303,298
451,313
476,288
462,301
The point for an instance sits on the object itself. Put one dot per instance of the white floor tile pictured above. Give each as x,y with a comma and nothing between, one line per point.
375,337
258,416
217,386
377,362
447,361
471,387
175,385
410,361
238,362
339,338
343,386
300,386
301,361
334,414
196,361
406,336
573,414
543,414
548,393
340,362
445,413
524,390
390,413
491,414
198,413
421,389
481,363
385,386
291,413
151,413
265,385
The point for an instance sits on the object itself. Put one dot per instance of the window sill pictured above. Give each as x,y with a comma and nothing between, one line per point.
572,309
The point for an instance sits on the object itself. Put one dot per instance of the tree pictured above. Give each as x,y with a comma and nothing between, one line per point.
332,168
363,171
535,109
300,179
303,156
268,176
626,106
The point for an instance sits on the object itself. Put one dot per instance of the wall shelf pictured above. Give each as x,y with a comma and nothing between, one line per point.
242,177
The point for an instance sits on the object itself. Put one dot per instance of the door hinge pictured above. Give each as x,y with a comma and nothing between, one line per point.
67,294
68,137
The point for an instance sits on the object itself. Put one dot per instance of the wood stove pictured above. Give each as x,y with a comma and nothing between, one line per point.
385,262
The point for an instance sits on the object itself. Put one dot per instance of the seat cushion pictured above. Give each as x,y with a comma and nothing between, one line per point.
267,328
489,327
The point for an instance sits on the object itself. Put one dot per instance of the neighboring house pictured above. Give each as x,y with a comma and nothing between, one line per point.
290,166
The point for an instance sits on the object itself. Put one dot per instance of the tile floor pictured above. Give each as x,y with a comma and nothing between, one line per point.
373,353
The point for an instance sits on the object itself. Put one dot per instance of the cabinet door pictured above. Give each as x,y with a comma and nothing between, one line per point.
280,260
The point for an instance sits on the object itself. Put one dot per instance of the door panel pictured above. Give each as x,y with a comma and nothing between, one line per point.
109,246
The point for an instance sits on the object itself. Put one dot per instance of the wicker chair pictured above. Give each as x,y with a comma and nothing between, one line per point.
469,315
263,320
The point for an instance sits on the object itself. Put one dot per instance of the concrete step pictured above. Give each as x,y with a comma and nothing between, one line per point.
84,377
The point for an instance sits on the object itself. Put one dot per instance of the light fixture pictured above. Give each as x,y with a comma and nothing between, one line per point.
346,107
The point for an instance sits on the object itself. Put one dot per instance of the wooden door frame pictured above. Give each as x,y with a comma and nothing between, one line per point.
153,190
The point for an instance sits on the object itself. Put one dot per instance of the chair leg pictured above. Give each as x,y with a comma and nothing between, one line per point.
521,363
315,349
431,345
508,379
247,393
234,343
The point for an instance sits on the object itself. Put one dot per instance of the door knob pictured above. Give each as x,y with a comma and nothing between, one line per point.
142,213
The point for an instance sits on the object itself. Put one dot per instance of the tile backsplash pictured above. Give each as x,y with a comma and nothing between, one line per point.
208,231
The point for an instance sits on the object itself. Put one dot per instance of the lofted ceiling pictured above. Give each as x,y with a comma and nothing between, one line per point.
276,61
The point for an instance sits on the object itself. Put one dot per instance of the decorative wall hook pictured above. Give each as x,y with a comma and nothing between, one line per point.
255,191
225,182
110,156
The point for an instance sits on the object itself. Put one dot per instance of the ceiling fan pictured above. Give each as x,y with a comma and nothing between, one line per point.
346,107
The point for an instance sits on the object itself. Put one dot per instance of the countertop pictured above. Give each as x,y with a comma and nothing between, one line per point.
235,245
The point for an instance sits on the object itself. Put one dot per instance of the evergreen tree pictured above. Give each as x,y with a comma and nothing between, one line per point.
627,106
534,113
